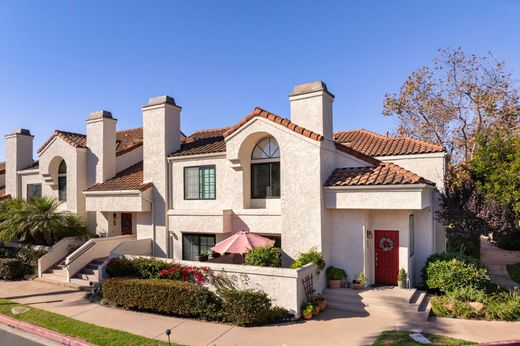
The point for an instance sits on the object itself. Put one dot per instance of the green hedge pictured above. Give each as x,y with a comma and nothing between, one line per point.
264,257
27,256
170,297
142,268
447,272
186,299
245,308
11,269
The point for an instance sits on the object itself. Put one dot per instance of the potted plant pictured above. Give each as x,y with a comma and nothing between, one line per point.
335,275
203,257
360,281
213,254
308,310
401,278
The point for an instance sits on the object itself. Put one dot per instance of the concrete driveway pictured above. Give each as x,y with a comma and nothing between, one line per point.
332,327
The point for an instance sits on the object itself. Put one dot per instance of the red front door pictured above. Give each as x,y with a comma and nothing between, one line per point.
126,223
387,257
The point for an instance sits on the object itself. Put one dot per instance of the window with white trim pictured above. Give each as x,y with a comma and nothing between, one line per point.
265,169
199,182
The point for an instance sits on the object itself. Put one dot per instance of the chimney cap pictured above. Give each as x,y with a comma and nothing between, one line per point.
100,114
161,99
311,87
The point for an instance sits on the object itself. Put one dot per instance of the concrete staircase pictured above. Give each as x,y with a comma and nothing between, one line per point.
396,303
81,280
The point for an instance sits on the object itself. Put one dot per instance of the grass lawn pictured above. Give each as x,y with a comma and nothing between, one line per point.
403,338
514,272
68,326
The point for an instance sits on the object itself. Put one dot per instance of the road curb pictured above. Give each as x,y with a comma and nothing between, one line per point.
43,332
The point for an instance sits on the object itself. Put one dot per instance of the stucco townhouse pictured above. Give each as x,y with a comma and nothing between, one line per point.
367,201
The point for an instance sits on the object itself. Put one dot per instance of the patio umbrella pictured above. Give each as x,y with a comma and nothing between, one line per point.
242,242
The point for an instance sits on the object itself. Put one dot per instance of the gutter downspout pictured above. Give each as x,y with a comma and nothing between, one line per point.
153,224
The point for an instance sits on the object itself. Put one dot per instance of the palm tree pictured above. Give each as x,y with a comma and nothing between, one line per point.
38,222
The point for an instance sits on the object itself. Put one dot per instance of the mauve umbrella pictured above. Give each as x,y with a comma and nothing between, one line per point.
241,242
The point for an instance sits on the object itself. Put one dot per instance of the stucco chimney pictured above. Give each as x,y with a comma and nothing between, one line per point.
311,108
18,155
161,137
101,142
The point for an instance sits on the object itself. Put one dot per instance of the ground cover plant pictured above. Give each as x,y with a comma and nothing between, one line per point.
68,326
464,290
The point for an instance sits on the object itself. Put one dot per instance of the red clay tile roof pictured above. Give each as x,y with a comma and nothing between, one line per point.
203,142
259,112
127,140
385,173
2,168
128,179
372,144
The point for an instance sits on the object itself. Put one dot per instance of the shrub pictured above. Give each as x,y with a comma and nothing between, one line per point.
509,241
245,308
312,256
11,269
142,268
264,257
449,271
278,314
334,273
162,296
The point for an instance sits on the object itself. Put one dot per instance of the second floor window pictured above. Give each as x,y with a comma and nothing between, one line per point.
265,169
62,182
199,182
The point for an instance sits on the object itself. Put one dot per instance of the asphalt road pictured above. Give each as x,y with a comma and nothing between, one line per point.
14,337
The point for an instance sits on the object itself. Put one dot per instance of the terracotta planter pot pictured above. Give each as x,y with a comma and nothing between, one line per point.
358,286
335,283
318,310
323,305
307,315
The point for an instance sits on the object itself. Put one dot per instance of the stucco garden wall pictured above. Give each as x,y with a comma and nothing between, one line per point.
284,286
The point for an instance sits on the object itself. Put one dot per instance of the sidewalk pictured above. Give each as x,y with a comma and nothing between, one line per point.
331,328
496,259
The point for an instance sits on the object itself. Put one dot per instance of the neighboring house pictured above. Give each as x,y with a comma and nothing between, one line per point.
366,201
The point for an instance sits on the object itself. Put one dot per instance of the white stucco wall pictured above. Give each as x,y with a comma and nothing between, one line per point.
129,159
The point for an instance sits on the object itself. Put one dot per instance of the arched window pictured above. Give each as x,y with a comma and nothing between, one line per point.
62,182
265,169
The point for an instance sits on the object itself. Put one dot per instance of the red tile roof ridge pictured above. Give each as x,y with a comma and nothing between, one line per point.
259,112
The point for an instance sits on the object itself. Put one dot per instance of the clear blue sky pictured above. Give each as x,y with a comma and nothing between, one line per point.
61,60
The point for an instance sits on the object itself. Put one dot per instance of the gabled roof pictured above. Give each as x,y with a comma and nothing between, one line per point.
129,179
2,168
259,112
385,173
372,144
203,142
126,140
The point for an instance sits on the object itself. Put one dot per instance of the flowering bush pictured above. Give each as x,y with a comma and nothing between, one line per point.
150,268
186,273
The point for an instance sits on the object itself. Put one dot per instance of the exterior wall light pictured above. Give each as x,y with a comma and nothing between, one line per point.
369,234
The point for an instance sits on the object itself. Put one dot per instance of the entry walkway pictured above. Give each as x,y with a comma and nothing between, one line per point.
333,327
496,259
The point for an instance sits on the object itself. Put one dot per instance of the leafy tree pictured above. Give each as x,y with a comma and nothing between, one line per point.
457,99
496,169
38,222
467,214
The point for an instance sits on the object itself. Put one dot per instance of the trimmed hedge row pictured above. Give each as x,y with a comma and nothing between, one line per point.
11,269
27,256
186,299
142,268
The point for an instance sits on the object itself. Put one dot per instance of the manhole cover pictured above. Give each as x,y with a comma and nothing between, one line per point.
19,310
